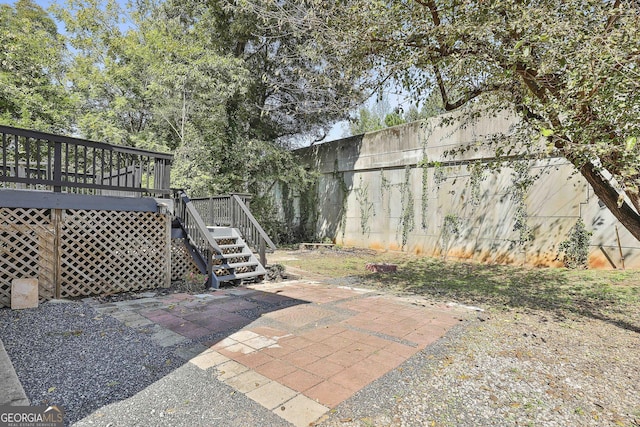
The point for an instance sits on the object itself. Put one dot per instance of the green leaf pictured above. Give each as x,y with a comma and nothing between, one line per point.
546,132
631,142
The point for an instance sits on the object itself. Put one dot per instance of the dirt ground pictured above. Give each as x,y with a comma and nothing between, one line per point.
547,346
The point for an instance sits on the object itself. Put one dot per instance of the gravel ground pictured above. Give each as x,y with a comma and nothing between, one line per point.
68,354
510,369
188,398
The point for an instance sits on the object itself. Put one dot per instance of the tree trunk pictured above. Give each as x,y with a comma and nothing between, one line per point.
627,216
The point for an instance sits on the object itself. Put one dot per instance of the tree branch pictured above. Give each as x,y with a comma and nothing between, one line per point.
433,8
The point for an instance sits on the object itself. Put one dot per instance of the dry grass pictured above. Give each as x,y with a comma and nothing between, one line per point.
612,296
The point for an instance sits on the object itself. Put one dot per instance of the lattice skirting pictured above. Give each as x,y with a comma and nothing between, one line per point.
76,253
182,263
26,250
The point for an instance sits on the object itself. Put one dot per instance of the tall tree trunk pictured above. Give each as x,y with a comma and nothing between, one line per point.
629,218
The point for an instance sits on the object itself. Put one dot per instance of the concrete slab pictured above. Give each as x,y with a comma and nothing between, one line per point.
11,391
272,395
209,359
24,293
301,411
167,338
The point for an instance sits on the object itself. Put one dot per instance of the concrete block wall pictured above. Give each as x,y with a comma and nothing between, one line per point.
394,201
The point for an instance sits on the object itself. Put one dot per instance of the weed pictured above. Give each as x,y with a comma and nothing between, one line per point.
576,247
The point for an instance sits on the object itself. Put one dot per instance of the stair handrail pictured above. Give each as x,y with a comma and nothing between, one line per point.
197,231
259,240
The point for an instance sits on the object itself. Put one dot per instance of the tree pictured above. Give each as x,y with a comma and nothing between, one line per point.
206,81
366,120
298,89
569,68
156,84
431,107
32,66
376,117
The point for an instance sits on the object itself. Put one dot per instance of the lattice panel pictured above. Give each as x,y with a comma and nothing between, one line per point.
104,252
26,250
226,241
181,261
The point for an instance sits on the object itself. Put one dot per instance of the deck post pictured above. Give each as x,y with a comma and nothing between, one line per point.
56,219
263,252
57,166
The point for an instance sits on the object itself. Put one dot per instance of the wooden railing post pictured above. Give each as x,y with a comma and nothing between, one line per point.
212,214
232,207
209,256
263,252
57,166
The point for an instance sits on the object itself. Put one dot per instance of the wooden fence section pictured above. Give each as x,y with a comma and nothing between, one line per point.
77,253
41,161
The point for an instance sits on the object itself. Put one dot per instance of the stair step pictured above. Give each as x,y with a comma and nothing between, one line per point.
233,255
239,276
236,265
237,245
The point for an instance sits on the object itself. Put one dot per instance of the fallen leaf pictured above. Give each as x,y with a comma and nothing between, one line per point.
51,389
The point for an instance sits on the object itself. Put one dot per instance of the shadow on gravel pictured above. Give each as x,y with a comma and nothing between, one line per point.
69,354
612,297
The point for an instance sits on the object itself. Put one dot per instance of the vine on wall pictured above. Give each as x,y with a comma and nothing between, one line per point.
366,207
344,191
476,177
522,181
407,213
450,229
309,211
424,201
575,249
424,164
439,173
385,185
287,205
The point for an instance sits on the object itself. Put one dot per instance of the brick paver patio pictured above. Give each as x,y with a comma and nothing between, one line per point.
298,348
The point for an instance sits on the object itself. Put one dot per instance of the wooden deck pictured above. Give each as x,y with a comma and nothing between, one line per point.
82,217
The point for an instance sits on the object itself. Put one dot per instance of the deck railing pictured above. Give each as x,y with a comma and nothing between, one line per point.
41,161
233,211
200,239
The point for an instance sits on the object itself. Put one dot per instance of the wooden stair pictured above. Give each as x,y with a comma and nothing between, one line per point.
221,252
237,262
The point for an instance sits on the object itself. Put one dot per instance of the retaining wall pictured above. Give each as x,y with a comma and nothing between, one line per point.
378,191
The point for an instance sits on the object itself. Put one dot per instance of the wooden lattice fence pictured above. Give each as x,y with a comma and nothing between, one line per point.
182,263
76,253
